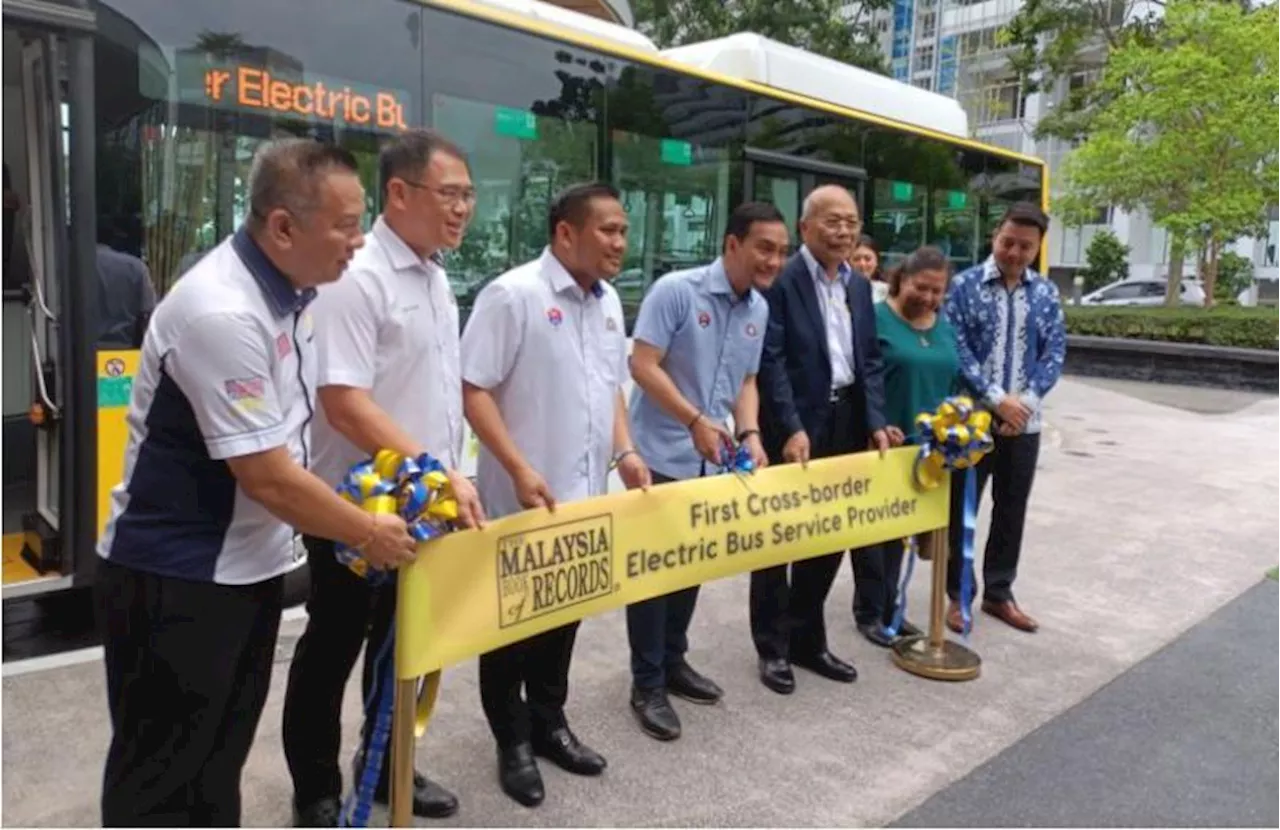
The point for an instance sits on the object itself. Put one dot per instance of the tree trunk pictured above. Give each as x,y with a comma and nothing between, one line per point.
1177,252
1210,273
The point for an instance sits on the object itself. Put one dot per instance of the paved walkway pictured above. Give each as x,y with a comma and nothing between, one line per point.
1145,521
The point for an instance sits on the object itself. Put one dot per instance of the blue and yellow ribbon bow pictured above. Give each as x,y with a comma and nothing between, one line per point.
417,490
954,437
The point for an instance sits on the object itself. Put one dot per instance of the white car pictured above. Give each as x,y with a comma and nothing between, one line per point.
1148,292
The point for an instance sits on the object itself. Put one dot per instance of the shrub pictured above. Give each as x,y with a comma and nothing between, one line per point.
1250,328
1108,261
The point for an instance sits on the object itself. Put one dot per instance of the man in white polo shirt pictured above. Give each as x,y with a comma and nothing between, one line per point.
190,585
388,377
544,357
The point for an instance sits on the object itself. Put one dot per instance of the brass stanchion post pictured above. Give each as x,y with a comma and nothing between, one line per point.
933,655
402,740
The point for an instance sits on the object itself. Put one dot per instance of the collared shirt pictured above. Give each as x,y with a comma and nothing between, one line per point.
555,358
125,297
1010,341
711,341
833,300
227,369
390,326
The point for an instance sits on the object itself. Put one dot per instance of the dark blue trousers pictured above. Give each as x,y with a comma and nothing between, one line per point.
658,630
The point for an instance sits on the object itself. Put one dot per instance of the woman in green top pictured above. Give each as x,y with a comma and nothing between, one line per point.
921,369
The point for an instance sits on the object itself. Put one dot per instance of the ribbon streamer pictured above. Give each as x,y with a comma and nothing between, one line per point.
954,437
417,490
910,549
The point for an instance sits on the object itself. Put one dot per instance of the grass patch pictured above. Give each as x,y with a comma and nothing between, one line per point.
1273,573
1250,328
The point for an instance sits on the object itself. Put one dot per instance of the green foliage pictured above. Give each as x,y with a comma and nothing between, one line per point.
1108,261
1187,128
1252,328
1051,40
820,26
1235,274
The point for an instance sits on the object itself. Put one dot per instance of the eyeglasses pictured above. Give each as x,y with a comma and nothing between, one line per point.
835,224
448,195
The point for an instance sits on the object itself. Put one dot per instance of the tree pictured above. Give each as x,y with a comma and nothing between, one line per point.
831,28
1108,261
1187,131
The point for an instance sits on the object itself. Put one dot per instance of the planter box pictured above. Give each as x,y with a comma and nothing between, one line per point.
1189,364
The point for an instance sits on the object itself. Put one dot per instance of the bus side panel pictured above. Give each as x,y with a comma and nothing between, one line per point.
116,370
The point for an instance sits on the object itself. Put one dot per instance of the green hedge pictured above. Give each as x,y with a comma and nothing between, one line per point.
1250,328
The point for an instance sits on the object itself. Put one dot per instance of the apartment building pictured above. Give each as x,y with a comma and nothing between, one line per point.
952,47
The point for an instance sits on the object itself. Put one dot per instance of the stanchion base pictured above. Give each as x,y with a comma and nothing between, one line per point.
951,661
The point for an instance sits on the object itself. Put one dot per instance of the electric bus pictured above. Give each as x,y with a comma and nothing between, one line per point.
129,127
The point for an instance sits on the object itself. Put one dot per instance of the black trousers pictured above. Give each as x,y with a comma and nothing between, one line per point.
876,571
344,612
188,668
788,601
658,630
1011,466
524,686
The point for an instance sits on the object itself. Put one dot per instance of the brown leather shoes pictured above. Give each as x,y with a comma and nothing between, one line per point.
1009,612
955,621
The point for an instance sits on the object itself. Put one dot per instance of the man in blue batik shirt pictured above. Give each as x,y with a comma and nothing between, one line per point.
1012,342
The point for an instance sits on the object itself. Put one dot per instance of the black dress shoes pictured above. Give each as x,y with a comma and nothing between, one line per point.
654,713
430,800
322,813
909,630
683,681
828,665
518,774
776,675
564,749
875,633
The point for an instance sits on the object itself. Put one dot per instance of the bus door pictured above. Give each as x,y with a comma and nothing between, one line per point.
786,181
35,245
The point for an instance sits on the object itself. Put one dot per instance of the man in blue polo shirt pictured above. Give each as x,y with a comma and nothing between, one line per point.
697,347
190,585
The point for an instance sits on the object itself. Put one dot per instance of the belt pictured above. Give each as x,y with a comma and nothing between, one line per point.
844,393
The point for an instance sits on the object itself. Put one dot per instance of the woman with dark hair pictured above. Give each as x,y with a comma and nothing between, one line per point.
865,260
921,369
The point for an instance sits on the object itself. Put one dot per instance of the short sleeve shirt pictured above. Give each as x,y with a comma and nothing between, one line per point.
227,369
390,326
554,357
711,340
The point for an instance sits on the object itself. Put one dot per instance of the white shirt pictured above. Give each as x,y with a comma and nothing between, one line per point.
833,300
390,326
227,369
555,358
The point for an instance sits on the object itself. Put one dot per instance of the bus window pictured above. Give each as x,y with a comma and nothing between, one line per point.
186,93
529,113
955,210
676,144
897,219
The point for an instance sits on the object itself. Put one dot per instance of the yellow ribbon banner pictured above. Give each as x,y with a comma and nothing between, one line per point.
474,591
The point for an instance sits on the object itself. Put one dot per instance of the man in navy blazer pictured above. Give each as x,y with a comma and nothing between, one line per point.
821,387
